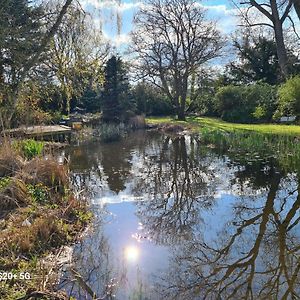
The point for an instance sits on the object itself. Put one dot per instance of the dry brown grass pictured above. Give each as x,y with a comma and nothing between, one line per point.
10,160
137,122
47,171
15,194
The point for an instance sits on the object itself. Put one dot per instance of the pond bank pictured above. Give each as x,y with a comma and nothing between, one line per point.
278,141
40,215
198,123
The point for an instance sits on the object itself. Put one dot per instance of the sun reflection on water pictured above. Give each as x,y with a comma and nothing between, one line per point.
132,253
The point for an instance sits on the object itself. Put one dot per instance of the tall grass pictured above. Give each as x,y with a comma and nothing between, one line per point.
286,149
110,132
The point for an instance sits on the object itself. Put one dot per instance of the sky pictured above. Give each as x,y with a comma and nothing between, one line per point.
104,15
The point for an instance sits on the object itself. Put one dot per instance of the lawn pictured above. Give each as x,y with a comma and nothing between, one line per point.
197,123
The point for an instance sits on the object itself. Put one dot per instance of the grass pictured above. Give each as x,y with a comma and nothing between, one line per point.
200,123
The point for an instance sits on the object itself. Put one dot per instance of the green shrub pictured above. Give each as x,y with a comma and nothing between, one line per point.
264,99
30,148
289,98
246,104
151,101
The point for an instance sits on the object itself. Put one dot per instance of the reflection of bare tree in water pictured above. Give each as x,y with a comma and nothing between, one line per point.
177,184
92,263
256,255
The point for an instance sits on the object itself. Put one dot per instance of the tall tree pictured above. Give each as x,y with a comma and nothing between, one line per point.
258,61
276,12
115,91
22,41
76,56
172,39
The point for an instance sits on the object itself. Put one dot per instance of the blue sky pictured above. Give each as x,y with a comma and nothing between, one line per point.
105,11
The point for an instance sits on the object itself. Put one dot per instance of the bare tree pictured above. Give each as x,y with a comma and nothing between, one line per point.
172,39
276,12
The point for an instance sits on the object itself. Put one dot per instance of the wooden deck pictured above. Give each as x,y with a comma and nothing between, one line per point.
49,132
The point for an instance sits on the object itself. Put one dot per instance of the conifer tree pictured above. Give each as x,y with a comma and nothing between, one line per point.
116,98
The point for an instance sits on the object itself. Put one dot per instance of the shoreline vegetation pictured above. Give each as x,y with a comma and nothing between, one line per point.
40,216
271,141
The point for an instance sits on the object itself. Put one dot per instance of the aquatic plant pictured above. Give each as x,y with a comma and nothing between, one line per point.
286,149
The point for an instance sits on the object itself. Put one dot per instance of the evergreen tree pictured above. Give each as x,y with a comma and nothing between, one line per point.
116,96
20,33
259,62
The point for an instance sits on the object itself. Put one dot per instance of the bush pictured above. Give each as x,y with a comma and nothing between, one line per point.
246,104
151,101
289,98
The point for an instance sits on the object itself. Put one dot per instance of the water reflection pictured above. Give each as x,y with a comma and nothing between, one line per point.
177,220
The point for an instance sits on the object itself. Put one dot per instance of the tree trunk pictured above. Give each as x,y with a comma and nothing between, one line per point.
280,45
181,110
281,51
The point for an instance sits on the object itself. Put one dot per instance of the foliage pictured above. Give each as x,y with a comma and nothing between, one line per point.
277,14
90,100
258,61
151,101
289,98
116,97
20,33
39,192
246,104
30,148
76,59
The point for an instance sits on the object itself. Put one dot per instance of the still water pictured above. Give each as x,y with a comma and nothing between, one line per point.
175,219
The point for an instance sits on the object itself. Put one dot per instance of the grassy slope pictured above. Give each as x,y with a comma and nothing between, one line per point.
211,123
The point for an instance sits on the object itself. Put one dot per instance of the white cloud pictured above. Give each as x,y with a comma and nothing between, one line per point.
117,40
107,4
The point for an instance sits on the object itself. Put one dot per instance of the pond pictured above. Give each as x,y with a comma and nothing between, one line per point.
175,219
